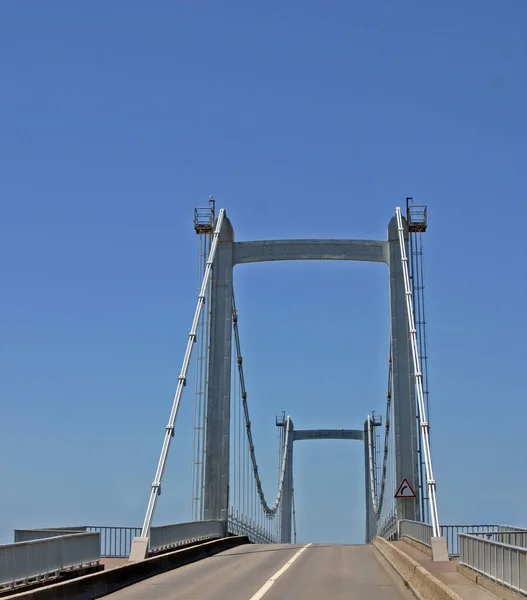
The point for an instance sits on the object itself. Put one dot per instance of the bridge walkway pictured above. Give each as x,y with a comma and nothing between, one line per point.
447,573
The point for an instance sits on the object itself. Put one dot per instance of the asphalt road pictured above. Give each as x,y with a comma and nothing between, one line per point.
254,572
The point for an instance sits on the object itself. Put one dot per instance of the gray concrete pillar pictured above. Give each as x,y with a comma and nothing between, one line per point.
216,491
403,382
286,508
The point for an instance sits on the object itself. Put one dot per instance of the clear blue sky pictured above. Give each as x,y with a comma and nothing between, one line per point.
304,119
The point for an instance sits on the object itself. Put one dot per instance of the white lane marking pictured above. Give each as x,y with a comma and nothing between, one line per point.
268,584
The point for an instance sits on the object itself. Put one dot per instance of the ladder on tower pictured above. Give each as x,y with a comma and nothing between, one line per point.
416,217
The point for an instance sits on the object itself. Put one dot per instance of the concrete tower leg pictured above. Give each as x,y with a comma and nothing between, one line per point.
403,383
216,491
286,508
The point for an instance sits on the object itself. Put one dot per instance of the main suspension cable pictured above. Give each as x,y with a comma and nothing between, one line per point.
270,511
378,502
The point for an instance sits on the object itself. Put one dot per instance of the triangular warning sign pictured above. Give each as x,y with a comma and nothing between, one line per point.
405,490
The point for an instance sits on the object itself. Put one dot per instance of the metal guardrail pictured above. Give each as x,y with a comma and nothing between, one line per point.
388,529
168,536
504,564
38,559
416,530
512,538
452,532
422,532
116,542
28,535
256,535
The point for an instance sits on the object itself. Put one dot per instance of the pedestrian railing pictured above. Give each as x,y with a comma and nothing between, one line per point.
116,542
504,564
256,534
491,532
422,532
388,529
416,530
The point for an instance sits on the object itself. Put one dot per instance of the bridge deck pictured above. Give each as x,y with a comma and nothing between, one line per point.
321,571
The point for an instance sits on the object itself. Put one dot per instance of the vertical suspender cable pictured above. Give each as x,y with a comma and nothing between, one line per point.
294,514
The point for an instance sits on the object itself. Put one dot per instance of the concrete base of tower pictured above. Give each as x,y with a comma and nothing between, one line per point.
439,549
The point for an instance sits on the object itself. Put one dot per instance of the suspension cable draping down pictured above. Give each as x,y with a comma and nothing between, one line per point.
267,509
377,504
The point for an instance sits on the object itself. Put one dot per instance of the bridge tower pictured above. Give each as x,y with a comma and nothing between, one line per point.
230,253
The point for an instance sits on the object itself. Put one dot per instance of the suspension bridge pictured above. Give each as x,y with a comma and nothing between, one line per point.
228,503
226,480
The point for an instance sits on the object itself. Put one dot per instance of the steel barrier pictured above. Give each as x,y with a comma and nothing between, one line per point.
422,532
167,536
115,541
38,559
28,535
416,530
256,535
512,538
388,529
451,532
504,564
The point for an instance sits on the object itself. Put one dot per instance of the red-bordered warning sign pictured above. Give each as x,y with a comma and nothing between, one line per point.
405,490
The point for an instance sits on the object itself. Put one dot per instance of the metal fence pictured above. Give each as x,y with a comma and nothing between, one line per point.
452,532
504,564
116,542
422,532
416,530
38,559
28,535
512,538
388,529
256,535
168,536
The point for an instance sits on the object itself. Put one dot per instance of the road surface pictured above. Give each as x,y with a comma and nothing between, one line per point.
277,572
